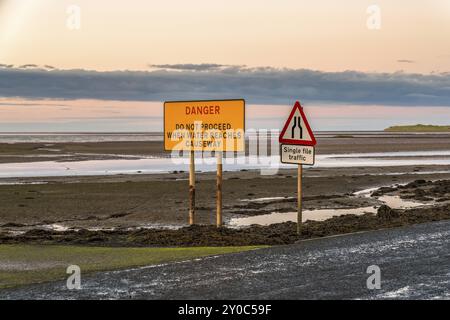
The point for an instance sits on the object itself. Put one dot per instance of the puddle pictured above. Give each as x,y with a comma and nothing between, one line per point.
56,227
365,192
150,226
395,202
157,226
398,173
267,199
14,231
279,217
432,153
49,149
22,183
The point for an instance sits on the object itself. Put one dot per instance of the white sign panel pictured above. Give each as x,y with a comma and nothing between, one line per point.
295,154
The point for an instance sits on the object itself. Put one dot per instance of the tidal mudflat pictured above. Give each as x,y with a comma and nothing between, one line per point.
150,196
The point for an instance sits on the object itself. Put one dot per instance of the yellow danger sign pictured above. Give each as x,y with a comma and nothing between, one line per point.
208,125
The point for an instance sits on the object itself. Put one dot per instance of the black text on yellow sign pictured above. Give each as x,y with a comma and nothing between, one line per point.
208,125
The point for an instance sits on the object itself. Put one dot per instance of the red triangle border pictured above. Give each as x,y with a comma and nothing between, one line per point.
313,141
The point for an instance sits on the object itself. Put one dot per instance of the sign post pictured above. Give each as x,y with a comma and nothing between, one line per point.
192,188
205,125
299,199
219,189
297,143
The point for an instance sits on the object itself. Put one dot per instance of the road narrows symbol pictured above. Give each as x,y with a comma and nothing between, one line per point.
297,124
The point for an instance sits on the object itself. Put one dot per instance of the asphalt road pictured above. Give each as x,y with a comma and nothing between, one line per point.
414,263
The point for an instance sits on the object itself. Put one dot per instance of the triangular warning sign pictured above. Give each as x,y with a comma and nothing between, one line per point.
297,129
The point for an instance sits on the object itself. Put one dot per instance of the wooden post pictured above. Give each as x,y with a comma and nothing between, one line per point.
219,189
299,199
192,188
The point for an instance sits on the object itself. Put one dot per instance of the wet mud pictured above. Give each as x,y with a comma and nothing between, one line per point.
197,235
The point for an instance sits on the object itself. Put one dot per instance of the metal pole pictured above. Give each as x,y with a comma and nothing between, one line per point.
299,199
192,188
219,189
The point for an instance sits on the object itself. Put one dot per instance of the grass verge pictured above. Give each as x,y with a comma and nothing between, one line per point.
27,264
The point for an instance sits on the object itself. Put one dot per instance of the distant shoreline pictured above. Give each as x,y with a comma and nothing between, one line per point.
418,128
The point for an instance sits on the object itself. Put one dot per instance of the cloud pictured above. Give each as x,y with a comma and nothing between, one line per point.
27,66
256,85
190,66
31,104
406,61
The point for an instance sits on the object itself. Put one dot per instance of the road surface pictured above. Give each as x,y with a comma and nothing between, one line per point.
414,263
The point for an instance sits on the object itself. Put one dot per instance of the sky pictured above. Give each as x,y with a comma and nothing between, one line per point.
84,65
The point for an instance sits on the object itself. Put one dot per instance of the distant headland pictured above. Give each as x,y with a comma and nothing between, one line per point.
418,128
